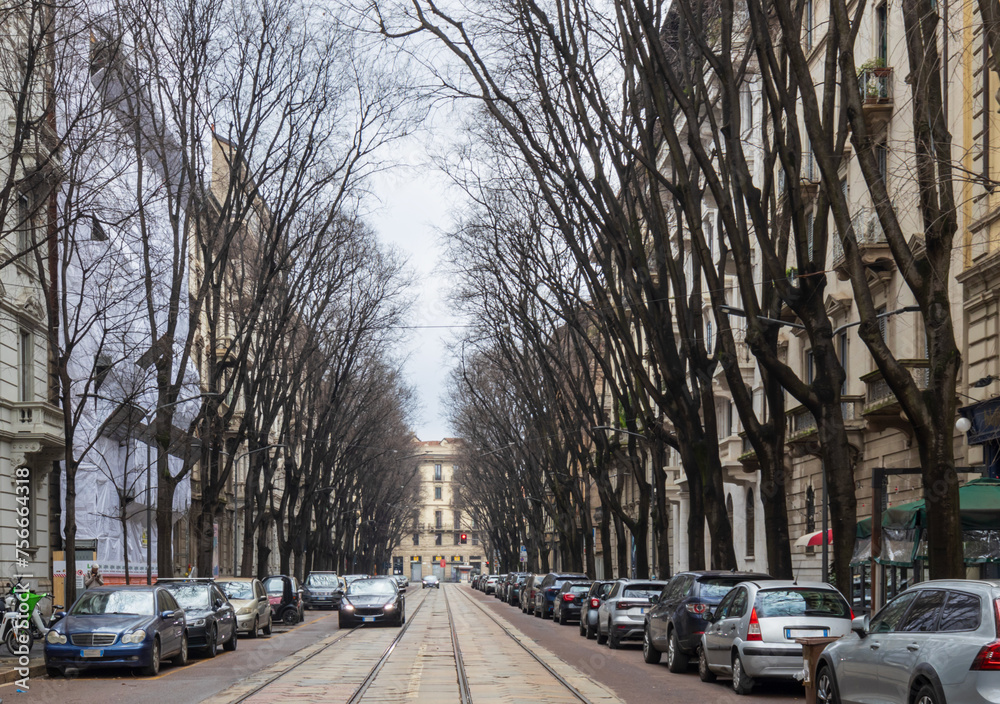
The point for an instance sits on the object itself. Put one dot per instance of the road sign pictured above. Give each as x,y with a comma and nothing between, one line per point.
524,557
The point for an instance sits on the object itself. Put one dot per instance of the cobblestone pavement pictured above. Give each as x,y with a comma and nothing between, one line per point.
419,664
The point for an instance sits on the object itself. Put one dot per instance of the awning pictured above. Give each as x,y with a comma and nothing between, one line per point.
813,539
979,508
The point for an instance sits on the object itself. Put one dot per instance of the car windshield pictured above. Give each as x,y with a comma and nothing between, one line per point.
121,602
801,602
322,580
237,590
274,585
191,596
374,587
716,588
641,591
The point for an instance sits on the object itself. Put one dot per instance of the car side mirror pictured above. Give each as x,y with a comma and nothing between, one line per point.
654,599
165,615
709,616
219,603
860,625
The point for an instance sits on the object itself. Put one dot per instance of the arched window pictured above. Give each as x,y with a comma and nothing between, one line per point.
729,510
750,523
810,510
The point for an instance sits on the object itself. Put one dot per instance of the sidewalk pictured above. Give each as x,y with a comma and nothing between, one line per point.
9,668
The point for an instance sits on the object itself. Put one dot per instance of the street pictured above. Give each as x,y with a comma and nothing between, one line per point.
316,662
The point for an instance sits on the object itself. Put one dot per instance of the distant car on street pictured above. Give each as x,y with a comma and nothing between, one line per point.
567,602
589,606
211,619
322,590
249,598
621,615
939,641
545,593
430,581
401,581
285,596
374,600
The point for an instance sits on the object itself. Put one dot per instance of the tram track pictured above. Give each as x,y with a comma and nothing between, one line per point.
559,678
463,679
359,692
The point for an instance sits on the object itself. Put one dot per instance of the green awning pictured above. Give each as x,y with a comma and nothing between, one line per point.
979,502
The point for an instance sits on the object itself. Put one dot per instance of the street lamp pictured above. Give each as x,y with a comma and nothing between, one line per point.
236,495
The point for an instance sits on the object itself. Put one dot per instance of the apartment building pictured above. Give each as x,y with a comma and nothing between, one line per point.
444,540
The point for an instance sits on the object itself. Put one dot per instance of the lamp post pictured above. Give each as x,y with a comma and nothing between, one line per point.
236,494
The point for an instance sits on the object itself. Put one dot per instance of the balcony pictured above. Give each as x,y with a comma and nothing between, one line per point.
36,431
875,84
872,245
748,456
802,425
880,401
809,178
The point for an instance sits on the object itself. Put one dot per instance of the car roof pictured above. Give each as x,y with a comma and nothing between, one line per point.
238,579
725,573
790,584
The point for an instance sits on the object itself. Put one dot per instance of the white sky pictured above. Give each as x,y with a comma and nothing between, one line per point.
414,209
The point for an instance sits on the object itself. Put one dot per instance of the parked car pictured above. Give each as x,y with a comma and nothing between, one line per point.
402,582
676,621
476,579
374,600
430,581
322,590
546,592
514,593
285,596
622,614
118,627
211,619
753,630
503,585
249,598
589,606
491,584
528,592
939,641
566,604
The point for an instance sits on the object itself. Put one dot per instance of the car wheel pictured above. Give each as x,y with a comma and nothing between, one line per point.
591,631
926,695
181,659
267,628
677,661
290,617
153,668
343,622
54,672
742,683
826,688
562,618
583,628
253,629
650,654
211,643
601,637
613,641
230,644
704,672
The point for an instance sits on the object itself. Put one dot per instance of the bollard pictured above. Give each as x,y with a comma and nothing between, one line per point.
811,649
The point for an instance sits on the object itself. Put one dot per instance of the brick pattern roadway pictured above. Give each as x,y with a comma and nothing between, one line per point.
422,667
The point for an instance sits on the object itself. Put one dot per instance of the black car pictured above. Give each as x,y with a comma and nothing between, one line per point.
285,596
430,581
589,606
375,600
676,621
545,593
514,593
322,590
567,602
211,619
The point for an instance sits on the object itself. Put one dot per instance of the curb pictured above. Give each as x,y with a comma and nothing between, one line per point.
36,670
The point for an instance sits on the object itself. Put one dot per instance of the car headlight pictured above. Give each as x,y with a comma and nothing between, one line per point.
134,637
348,606
197,622
389,607
244,611
55,638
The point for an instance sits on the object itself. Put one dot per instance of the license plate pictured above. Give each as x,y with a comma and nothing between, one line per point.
91,653
791,633
368,619
642,610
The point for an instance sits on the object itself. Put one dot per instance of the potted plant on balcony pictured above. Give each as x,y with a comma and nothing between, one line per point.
874,77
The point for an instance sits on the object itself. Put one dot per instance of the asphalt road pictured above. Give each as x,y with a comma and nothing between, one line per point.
176,685
625,672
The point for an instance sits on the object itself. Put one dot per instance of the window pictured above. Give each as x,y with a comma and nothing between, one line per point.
923,615
882,33
708,335
27,364
810,229
810,366
842,353
416,538
25,224
961,613
883,324
882,158
437,519
437,472
437,493
807,24
729,508
739,605
437,538
750,523
458,520
723,609
886,620
457,542
987,99
810,510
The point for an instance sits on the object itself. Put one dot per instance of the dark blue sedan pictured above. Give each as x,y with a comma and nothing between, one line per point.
133,627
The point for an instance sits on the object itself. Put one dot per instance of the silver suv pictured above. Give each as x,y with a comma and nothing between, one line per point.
938,641
622,614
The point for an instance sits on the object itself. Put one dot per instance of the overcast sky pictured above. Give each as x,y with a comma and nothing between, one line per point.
414,209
